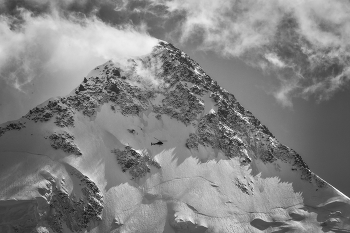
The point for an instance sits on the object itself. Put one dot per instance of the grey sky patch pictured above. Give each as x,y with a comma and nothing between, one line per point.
310,39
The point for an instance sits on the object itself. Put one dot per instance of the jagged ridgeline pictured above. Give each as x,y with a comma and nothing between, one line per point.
153,144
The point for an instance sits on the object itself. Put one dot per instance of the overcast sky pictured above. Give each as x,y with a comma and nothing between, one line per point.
285,61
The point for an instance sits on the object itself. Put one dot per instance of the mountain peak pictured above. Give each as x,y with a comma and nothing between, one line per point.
153,144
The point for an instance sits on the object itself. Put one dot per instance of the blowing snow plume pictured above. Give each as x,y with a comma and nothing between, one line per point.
48,55
304,43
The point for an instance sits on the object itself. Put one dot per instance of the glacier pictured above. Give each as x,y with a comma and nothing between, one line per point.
153,144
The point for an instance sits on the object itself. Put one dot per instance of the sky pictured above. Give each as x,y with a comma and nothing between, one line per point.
285,61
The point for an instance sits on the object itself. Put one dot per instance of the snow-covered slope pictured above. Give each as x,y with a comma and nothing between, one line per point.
153,144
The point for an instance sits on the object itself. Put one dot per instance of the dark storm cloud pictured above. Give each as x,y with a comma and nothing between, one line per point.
46,6
115,12
156,17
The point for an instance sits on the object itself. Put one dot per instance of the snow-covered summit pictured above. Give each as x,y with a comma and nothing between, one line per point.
153,144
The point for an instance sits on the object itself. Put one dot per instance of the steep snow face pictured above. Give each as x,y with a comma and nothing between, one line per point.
155,145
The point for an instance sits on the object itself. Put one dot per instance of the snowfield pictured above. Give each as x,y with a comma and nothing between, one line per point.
155,145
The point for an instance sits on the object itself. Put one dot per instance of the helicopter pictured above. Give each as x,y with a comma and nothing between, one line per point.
160,142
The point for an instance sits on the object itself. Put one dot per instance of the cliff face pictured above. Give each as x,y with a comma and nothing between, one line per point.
153,144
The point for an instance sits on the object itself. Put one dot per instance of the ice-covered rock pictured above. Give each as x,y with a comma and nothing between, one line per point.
154,144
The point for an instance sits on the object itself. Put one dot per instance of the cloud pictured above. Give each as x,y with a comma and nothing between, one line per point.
49,54
284,92
305,43
46,6
275,60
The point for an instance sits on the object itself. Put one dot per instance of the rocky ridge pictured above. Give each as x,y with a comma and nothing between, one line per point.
64,141
137,164
181,88
77,214
12,126
56,209
164,84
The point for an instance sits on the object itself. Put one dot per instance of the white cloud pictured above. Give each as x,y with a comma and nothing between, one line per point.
285,91
230,27
306,43
49,55
328,86
275,60
310,38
